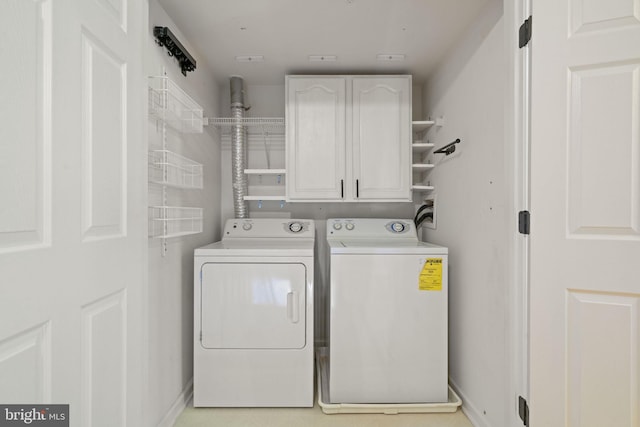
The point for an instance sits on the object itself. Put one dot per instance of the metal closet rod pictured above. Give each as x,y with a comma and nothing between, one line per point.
448,149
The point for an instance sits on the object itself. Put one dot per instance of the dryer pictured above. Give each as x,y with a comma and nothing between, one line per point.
388,314
253,315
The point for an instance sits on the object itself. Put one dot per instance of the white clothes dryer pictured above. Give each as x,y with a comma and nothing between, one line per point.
387,315
253,315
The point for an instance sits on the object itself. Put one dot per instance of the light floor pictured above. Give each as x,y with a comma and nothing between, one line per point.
311,417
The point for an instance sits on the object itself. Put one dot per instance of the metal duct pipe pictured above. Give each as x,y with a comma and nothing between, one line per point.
238,152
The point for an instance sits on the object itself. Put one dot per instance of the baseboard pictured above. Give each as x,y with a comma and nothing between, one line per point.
469,409
178,406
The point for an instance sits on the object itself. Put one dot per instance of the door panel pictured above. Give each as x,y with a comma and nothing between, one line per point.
585,214
27,353
104,142
602,355
104,346
594,15
25,134
603,163
253,305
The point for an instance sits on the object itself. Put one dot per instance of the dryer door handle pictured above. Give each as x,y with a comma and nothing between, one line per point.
292,307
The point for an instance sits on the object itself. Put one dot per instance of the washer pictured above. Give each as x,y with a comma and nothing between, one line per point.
253,315
388,314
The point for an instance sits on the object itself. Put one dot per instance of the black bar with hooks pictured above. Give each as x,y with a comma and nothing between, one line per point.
164,37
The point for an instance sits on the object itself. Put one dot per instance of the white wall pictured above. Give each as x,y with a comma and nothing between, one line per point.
473,200
170,298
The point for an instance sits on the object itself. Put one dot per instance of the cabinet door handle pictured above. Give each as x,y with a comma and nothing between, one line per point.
342,188
357,188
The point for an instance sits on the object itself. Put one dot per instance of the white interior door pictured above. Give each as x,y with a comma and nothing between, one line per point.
72,231
585,201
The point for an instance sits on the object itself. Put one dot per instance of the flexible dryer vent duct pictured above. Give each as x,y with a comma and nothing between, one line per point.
238,156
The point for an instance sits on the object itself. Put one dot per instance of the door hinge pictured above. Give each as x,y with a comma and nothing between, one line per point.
525,33
523,410
524,222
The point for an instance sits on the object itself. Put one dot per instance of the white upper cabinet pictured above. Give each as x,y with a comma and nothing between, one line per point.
348,138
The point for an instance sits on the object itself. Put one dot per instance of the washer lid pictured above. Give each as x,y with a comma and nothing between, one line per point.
371,246
258,247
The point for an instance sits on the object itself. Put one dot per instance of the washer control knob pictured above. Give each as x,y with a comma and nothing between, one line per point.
398,227
337,226
350,226
247,226
295,227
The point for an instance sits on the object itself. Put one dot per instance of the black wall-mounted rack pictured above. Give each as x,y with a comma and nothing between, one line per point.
448,149
164,37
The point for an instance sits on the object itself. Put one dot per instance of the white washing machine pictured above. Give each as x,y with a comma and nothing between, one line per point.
253,315
388,314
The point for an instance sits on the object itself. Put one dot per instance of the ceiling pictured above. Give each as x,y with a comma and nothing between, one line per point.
286,32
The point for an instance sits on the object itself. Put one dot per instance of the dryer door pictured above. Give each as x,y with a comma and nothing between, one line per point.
253,305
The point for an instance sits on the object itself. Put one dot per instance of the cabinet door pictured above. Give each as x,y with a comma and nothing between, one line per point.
315,138
381,138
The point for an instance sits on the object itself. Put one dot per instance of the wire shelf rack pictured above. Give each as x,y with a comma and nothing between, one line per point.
262,126
174,170
169,103
174,221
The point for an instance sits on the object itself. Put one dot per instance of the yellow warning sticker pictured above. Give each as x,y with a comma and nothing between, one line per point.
431,275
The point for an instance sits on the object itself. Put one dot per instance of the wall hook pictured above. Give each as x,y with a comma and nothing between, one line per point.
448,149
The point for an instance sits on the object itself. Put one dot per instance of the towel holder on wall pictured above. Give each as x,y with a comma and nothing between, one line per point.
448,149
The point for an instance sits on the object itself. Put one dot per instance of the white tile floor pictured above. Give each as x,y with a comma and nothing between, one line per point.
311,417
